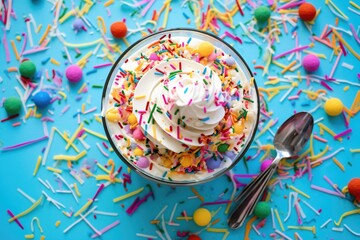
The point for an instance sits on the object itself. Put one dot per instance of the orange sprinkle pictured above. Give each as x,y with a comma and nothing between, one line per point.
197,194
259,67
322,41
248,227
287,68
319,138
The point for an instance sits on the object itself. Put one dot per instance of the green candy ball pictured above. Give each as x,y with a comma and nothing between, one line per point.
12,105
262,209
27,69
223,147
262,14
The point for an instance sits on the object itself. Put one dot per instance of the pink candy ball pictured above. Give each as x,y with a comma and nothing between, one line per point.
143,162
265,164
154,57
311,63
73,73
138,134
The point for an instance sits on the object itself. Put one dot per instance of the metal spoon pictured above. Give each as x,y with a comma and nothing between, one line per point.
289,140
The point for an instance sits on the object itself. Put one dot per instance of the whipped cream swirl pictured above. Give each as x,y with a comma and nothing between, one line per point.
177,102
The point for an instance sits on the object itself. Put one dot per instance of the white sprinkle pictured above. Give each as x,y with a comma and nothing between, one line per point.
25,195
91,226
79,220
318,120
77,177
160,235
272,218
164,228
63,180
106,213
102,150
62,191
172,213
282,235
326,223
161,211
53,201
350,230
337,229
354,11
257,231
43,183
47,149
146,236
307,204
51,188
348,66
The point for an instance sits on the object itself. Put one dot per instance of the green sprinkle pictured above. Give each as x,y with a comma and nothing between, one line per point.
206,83
97,86
248,99
151,113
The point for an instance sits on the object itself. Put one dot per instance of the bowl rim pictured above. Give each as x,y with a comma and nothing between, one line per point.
148,176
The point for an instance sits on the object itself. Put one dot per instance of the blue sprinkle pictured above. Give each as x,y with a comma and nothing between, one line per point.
91,71
294,29
185,91
122,70
185,15
204,119
204,71
43,62
188,41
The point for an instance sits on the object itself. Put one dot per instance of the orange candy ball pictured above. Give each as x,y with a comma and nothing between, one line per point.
307,12
118,29
354,188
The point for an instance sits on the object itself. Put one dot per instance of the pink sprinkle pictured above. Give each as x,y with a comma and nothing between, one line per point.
98,191
290,51
347,131
190,102
188,139
204,109
103,65
178,132
172,66
163,96
107,228
290,5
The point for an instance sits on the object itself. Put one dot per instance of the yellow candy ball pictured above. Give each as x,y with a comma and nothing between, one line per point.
333,107
205,49
238,128
202,217
132,119
186,161
138,152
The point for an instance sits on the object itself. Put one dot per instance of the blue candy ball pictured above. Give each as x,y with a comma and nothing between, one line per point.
230,61
213,163
78,24
42,99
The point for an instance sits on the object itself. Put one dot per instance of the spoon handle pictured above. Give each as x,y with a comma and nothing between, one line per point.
247,199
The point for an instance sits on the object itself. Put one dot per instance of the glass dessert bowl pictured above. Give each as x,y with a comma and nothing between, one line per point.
180,107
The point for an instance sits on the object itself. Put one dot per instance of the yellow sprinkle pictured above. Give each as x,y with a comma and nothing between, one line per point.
70,158
37,165
108,3
346,88
53,61
184,218
66,139
66,214
287,68
98,119
103,168
87,172
42,237
320,154
346,44
81,88
219,230
140,96
338,10
355,106
37,203
54,170
63,94
66,16
83,208
45,34
298,191
74,136
101,24
357,150
320,55
38,28
339,164
268,125
345,214
166,17
126,42
15,50
82,62
354,5
322,126
278,218
278,64
76,190
130,194
29,236
83,107
96,134
57,224
312,228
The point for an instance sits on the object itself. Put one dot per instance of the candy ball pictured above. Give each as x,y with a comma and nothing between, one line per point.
186,161
154,57
230,61
138,134
202,217
307,12
193,237
27,69
311,63
138,152
42,99
78,24
333,107
223,147
73,73
12,105
213,163
118,29
262,14
132,119
354,188
265,164
262,209
143,162
205,49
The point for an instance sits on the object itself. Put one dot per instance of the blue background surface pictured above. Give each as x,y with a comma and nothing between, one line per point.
17,165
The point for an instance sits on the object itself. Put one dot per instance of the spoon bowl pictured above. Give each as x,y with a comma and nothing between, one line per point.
289,139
